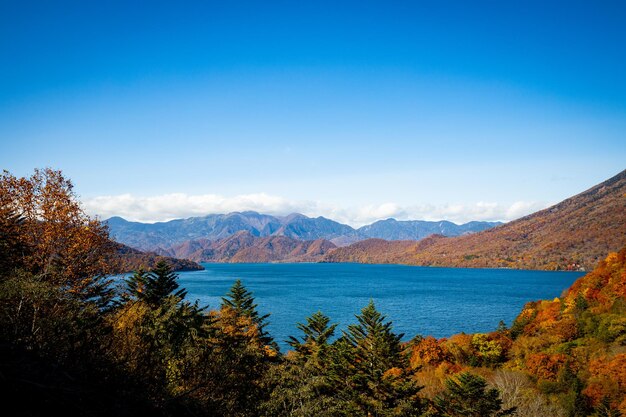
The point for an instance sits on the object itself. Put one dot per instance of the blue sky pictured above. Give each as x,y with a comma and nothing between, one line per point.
351,110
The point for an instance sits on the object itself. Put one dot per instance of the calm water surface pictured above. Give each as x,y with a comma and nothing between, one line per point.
419,300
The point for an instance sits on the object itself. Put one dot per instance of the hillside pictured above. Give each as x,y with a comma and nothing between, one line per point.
129,259
561,357
375,251
581,335
574,234
244,247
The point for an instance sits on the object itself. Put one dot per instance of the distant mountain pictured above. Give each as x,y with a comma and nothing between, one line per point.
146,236
299,226
392,229
372,251
165,235
573,234
244,247
378,251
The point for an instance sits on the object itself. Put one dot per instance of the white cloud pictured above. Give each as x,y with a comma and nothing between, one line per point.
173,206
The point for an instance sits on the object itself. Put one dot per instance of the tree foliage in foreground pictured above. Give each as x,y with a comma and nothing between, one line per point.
467,395
373,367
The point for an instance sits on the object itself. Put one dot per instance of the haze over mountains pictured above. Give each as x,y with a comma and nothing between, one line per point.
167,237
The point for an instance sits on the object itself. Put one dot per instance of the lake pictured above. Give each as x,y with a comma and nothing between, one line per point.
418,300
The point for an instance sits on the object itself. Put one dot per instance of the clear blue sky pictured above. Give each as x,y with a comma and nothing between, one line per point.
355,110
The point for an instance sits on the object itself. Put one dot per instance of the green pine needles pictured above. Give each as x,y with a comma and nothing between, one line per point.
155,286
242,302
316,333
468,395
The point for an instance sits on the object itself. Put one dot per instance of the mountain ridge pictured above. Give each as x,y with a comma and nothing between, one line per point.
164,235
243,247
573,234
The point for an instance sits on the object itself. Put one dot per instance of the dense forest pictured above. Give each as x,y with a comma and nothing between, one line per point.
73,343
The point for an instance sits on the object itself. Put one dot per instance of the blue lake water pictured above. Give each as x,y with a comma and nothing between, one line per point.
418,300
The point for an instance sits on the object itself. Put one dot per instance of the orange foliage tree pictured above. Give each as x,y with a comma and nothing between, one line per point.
608,381
429,352
66,246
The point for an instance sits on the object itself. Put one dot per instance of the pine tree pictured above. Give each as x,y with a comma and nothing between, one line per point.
240,300
300,385
370,361
467,395
376,346
162,283
136,285
316,334
155,286
12,250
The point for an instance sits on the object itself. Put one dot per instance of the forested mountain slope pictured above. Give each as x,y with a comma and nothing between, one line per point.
244,247
574,234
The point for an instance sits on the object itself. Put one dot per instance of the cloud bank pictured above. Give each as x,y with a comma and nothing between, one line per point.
174,206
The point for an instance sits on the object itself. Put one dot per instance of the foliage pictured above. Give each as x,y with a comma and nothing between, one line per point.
156,286
370,365
12,249
300,385
518,391
316,333
467,395
573,345
66,247
241,301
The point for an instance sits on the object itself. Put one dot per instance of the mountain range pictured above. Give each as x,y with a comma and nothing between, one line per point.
167,237
573,234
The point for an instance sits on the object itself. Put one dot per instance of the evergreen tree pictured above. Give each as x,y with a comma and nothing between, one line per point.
159,284
299,385
240,300
377,348
467,395
316,333
12,250
370,363
136,285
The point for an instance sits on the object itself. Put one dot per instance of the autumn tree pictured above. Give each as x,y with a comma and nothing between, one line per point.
518,391
54,336
52,256
66,246
428,352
